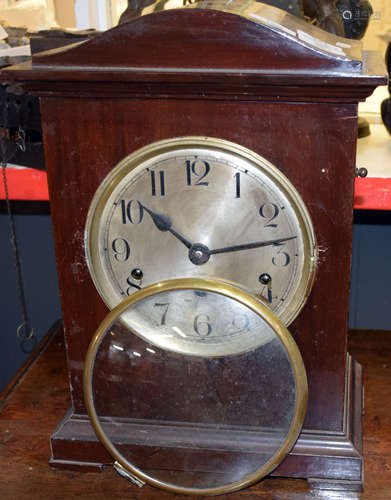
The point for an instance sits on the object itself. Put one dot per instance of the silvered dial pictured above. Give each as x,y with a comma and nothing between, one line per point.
201,207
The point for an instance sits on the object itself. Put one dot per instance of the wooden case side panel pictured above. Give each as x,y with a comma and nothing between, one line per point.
312,144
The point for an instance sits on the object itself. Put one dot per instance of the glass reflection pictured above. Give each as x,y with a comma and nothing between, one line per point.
192,420
205,324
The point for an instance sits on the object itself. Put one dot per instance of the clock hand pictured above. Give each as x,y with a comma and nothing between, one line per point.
163,223
246,246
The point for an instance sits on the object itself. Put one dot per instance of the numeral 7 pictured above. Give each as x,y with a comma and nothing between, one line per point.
164,306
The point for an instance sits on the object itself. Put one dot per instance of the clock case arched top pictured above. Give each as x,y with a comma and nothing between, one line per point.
224,45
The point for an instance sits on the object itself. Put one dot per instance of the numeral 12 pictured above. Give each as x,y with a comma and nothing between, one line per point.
197,173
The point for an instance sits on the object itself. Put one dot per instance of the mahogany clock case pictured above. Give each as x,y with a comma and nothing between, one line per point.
101,101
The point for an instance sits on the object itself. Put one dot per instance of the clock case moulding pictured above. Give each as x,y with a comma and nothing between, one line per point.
212,70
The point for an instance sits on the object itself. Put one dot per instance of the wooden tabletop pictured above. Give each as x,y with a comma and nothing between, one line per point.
31,410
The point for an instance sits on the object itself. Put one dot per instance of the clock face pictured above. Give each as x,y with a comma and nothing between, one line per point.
206,208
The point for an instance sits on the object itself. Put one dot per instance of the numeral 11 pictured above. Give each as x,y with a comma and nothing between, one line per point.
157,183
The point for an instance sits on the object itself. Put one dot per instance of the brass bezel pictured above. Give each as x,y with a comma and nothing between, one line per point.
129,163
254,305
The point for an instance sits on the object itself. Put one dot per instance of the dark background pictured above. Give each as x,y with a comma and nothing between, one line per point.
36,246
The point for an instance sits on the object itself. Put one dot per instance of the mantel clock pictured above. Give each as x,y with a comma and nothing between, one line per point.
201,166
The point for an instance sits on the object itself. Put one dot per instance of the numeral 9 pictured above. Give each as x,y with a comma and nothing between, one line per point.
241,322
121,249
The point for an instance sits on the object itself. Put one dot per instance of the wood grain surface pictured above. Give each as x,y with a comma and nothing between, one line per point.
40,400
318,160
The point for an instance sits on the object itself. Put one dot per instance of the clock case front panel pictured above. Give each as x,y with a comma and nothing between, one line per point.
320,330
266,126
100,102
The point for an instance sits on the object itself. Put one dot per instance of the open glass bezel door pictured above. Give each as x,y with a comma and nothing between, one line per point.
270,331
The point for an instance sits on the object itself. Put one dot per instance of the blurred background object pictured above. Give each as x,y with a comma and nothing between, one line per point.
386,104
355,15
348,18
324,13
34,14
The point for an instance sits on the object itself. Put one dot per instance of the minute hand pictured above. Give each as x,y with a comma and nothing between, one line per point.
246,246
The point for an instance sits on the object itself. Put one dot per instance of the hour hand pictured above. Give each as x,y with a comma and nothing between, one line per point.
164,223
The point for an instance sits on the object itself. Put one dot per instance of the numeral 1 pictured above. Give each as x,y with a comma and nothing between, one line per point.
237,183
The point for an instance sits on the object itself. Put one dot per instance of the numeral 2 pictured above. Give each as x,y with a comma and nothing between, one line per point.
269,211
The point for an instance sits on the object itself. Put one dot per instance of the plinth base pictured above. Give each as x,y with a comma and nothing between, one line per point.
328,460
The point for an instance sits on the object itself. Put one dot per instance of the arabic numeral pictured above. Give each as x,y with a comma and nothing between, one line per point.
267,293
164,306
241,322
269,211
198,169
158,183
281,259
132,211
121,249
132,285
237,184
202,326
